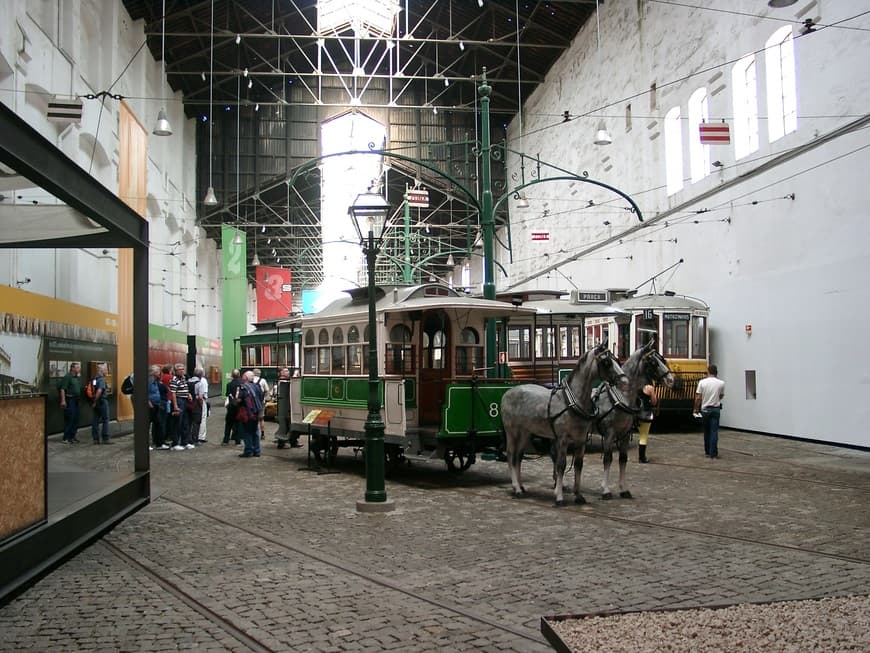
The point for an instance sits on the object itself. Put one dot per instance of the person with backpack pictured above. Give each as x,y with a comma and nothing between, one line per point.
195,406
264,390
96,394
252,400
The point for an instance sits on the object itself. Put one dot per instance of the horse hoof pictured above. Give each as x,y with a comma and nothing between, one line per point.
625,494
519,495
579,500
560,503
606,496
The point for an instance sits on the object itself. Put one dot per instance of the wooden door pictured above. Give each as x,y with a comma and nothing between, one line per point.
435,364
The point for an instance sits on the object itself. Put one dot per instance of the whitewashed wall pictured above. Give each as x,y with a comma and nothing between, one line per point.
67,48
795,270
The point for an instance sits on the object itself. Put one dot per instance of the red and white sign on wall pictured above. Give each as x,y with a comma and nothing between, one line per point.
715,133
274,292
540,236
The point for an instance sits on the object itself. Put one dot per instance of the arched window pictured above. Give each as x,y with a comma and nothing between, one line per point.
745,107
781,84
354,351
400,351
674,150
699,154
337,351
309,365
469,352
323,352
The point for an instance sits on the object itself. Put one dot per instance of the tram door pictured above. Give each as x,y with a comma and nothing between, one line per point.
434,365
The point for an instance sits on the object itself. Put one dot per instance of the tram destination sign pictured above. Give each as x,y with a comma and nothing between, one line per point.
418,197
588,296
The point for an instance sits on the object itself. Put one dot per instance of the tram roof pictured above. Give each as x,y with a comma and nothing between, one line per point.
410,298
564,307
662,300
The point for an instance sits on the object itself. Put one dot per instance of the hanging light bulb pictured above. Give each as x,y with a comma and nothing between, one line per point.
450,260
245,72
446,82
238,38
601,136
435,110
238,239
461,45
250,83
256,260
210,197
257,107
522,201
162,127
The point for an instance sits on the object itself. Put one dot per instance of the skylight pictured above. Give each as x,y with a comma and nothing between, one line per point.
365,17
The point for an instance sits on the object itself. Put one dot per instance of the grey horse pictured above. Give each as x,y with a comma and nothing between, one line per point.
618,408
559,413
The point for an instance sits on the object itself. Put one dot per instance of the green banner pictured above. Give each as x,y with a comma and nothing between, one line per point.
234,295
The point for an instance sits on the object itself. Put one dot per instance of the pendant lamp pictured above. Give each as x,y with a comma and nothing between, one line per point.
210,197
162,127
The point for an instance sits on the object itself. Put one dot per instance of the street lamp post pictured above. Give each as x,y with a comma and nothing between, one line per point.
369,213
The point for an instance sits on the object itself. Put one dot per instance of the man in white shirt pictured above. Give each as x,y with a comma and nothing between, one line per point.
708,403
202,391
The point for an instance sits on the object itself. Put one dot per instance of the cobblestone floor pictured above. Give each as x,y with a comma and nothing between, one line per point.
254,554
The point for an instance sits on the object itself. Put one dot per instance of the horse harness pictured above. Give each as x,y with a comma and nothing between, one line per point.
617,401
571,401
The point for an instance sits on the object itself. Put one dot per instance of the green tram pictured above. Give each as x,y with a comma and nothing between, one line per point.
437,400
273,345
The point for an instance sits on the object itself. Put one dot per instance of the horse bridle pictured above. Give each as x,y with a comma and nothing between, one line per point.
651,368
571,401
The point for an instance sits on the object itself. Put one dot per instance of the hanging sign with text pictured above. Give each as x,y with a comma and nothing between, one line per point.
419,198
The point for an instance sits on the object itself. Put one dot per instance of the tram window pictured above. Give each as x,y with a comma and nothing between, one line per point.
676,341
469,352
646,329
400,351
624,344
545,342
439,342
310,362
519,343
337,351
323,353
699,336
570,345
354,351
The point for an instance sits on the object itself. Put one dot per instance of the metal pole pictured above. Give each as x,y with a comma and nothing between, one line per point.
374,426
487,223
406,272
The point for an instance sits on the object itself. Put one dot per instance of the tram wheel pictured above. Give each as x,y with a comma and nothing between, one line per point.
458,460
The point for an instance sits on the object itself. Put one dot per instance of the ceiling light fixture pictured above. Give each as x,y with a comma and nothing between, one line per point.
238,38
601,136
162,128
245,72
238,238
461,45
210,197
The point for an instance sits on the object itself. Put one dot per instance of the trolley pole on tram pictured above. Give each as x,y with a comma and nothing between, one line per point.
372,208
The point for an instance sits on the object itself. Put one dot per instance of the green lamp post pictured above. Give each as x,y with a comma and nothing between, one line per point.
369,212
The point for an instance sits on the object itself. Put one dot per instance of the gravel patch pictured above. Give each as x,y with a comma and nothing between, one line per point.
826,625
